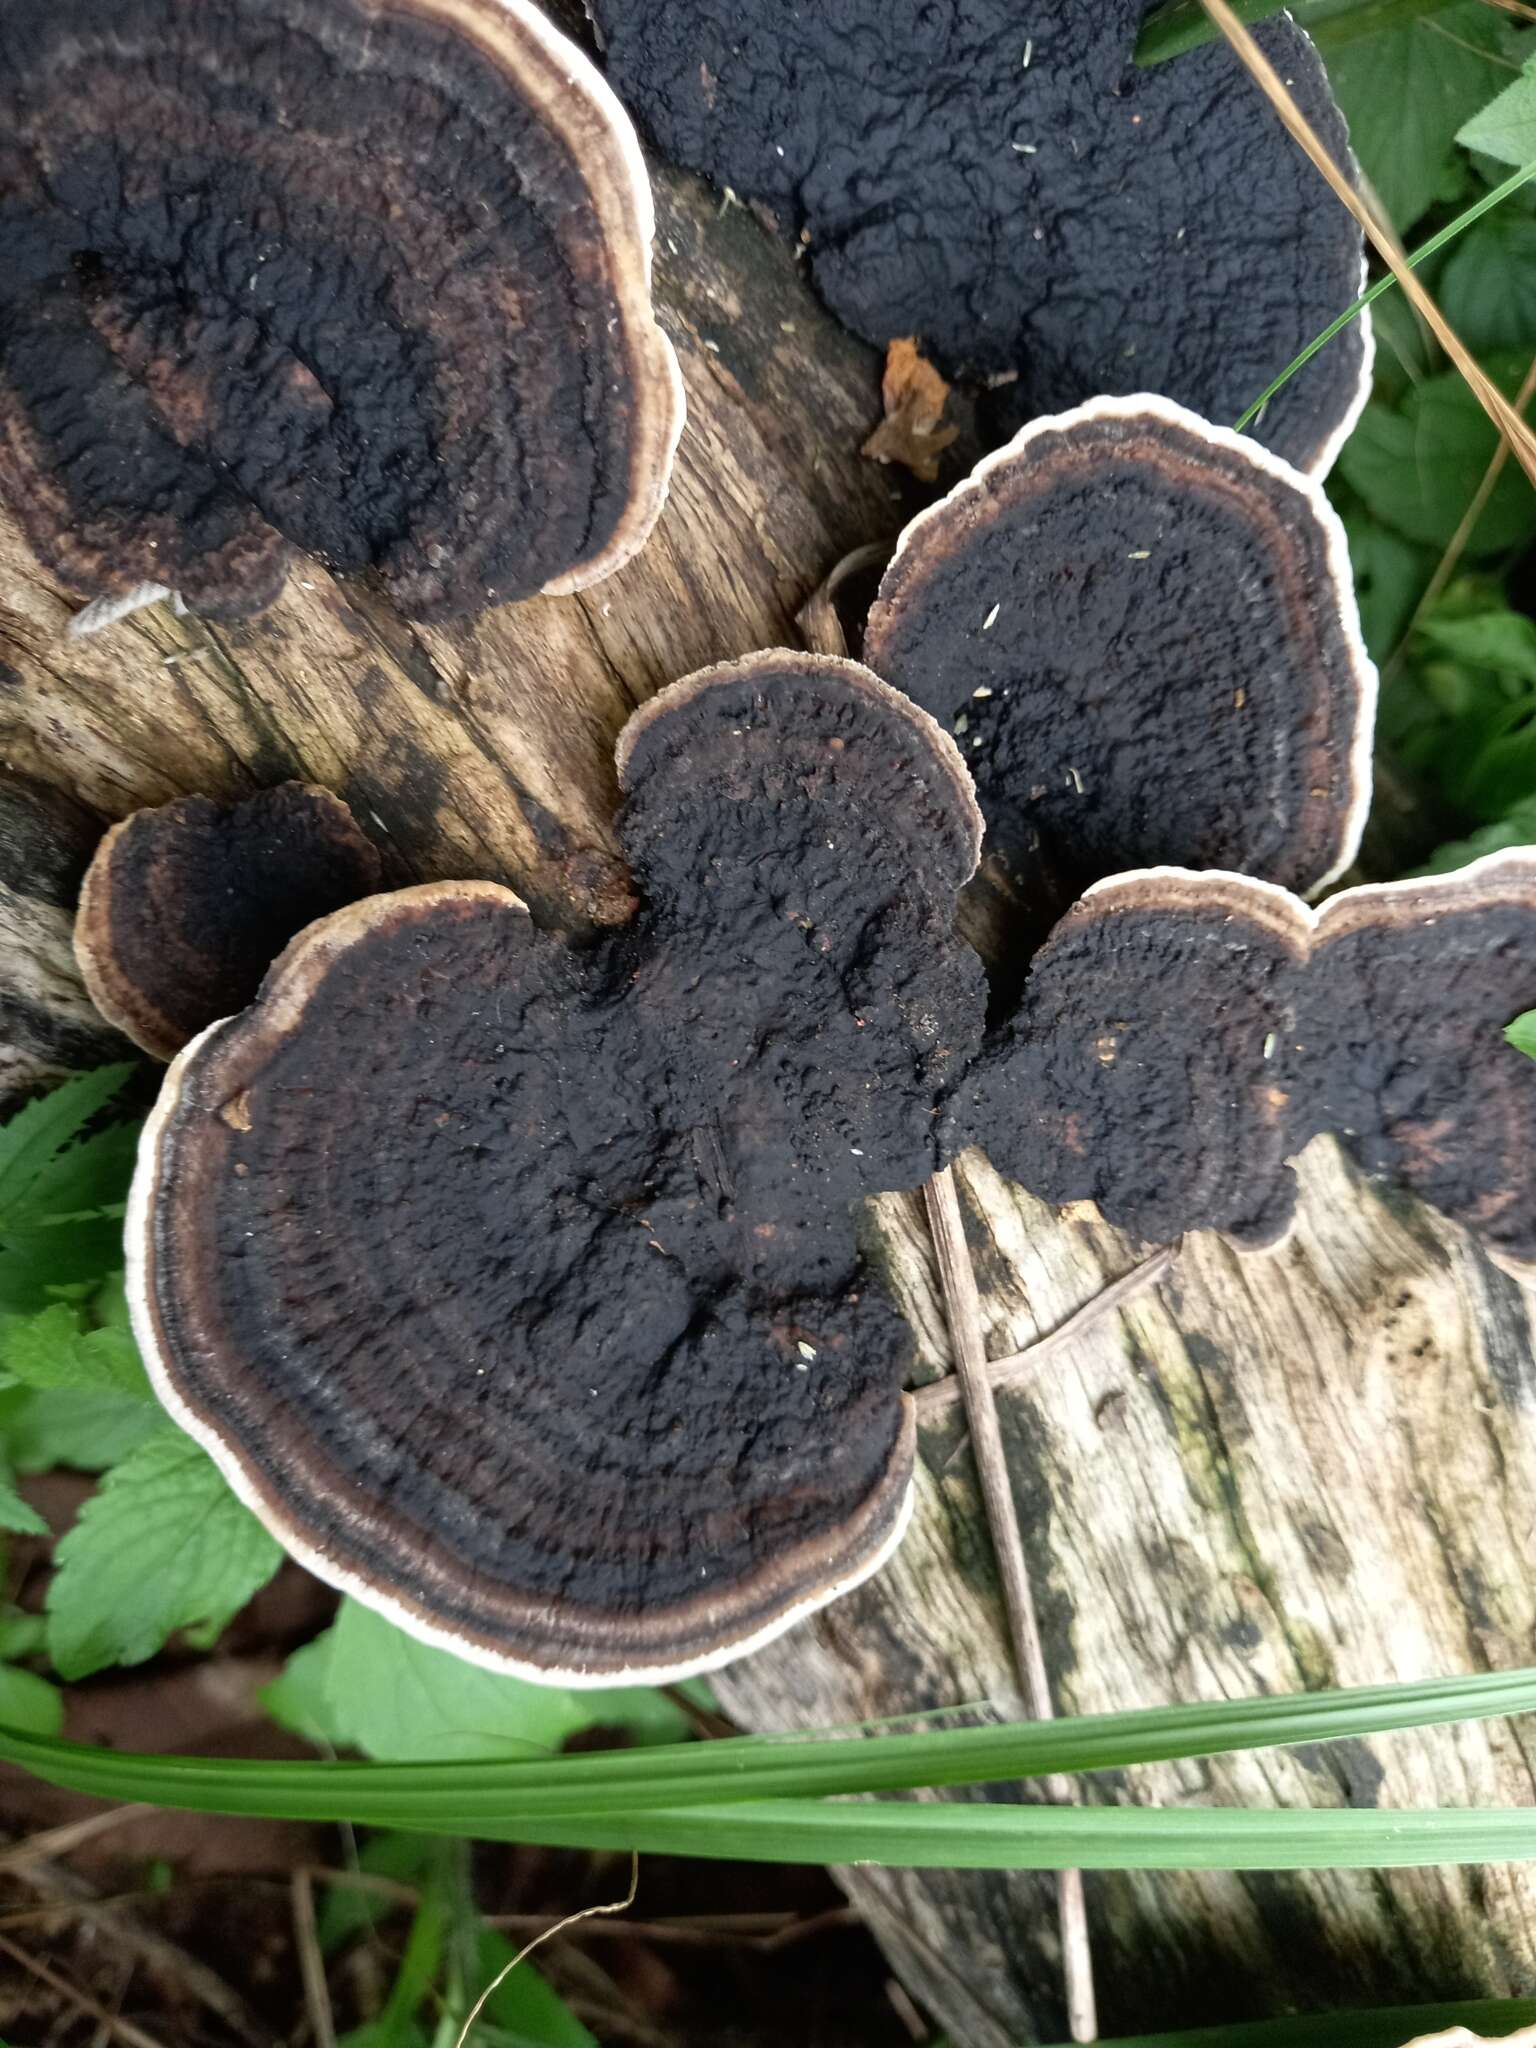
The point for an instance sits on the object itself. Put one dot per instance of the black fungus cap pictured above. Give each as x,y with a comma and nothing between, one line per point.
185,907
515,1284
1182,1035
1142,631
1005,184
368,283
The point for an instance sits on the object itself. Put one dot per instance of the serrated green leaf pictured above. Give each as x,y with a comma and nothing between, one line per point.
367,1685
45,1427
29,1702
88,1177
1506,128
38,1261
1522,1033
1487,289
53,1349
1416,466
31,1140
163,1545
15,1514
1405,92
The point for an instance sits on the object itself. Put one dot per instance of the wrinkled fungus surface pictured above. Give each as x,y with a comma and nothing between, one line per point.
367,283
1142,632
516,1284
1007,186
1182,1035
184,908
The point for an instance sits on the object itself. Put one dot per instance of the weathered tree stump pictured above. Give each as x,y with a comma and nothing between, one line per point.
484,749
1316,1466
1310,1467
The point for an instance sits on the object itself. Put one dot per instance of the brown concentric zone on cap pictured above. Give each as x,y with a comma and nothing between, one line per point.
327,420
1294,532
185,906
593,116
318,1506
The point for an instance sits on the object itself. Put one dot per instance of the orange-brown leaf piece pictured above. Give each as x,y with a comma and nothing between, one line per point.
913,431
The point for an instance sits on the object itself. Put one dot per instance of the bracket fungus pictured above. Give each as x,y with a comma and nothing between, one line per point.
185,907
515,1284
1007,186
365,282
1183,1035
1143,630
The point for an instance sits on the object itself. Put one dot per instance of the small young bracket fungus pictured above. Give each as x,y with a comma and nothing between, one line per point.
184,908
1007,186
1182,1035
1142,630
515,1285
366,282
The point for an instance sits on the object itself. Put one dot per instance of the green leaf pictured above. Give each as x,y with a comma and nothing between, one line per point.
1517,182
52,1349
347,1910
88,1177
1495,639
31,1141
367,1685
1488,287
1517,829
43,1428
499,1796
1418,465
1522,1033
29,1702
1405,92
15,1514
1390,576
21,1635
40,1260
163,1545
1506,129
1183,25
522,2003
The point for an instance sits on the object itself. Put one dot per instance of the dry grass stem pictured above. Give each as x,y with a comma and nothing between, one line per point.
1020,1365
962,1305
1489,396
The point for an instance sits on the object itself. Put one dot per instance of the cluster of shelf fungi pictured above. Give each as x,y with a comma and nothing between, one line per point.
514,1280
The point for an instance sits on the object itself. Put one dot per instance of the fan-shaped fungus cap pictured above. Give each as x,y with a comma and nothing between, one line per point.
1007,185
1142,630
515,1285
1182,1035
365,281
1401,1026
185,907
1149,1068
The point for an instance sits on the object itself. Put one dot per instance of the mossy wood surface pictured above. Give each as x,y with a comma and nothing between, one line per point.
1312,1467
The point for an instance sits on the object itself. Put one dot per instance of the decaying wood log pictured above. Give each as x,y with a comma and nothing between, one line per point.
487,749
1316,1466
1311,1467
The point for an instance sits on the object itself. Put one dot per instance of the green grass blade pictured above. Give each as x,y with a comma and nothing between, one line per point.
1435,243
476,1794
1184,24
1385,2026
955,1836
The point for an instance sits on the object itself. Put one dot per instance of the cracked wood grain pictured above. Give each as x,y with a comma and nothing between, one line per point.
1310,1467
